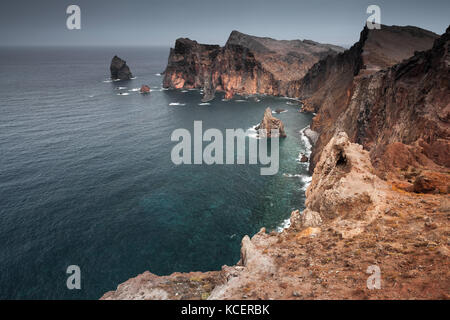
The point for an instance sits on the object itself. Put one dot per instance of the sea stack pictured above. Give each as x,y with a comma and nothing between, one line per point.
119,69
269,123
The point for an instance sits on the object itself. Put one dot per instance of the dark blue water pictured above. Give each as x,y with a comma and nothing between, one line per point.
86,177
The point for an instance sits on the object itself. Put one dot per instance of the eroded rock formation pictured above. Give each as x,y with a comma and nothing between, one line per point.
245,65
119,69
269,123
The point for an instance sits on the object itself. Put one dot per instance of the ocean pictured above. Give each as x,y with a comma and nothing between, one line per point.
86,176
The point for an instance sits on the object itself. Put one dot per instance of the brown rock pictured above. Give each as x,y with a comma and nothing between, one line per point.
269,123
432,182
304,158
145,89
229,94
423,185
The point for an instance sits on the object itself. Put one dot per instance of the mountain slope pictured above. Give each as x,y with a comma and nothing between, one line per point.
329,85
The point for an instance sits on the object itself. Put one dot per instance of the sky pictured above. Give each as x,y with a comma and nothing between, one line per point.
159,23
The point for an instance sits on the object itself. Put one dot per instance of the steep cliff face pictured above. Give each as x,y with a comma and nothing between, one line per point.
245,65
329,86
402,116
189,64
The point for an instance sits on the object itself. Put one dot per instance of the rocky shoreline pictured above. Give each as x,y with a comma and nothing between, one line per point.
353,219
379,194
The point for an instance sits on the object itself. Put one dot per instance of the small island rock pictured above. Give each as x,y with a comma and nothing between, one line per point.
269,123
119,69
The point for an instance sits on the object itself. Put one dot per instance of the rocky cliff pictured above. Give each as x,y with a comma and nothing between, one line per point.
379,190
400,114
245,65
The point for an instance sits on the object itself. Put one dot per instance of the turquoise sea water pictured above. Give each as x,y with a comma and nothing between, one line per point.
86,177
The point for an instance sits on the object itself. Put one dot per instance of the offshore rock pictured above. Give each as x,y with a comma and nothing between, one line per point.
145,89
119,69
269,123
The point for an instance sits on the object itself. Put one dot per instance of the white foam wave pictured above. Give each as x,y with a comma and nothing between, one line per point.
252,132
134,89
306,180
158,74
306,142
123,94
284,225
274,112
177,104
204,104
121,88
289,175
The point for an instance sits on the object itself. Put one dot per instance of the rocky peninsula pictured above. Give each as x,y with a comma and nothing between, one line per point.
379,194
245,65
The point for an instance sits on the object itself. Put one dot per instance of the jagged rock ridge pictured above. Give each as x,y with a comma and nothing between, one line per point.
245,65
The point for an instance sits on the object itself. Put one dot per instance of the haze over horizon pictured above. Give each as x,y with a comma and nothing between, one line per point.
154,23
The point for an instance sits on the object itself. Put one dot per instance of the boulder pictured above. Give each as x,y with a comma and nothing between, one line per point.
145,89
304,158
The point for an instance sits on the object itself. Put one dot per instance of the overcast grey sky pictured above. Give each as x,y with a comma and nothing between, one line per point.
146,23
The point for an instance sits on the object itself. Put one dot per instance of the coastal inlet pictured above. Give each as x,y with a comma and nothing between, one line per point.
87,180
